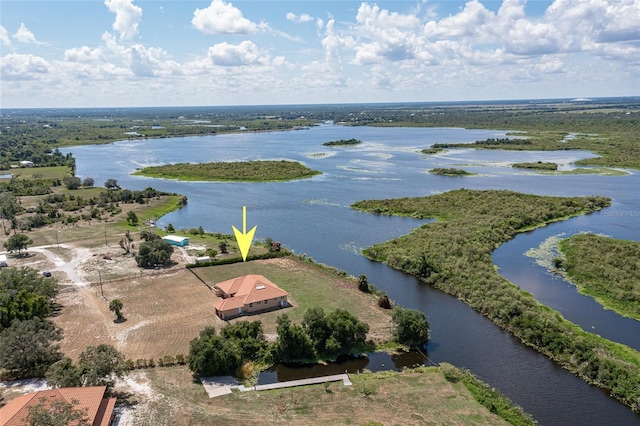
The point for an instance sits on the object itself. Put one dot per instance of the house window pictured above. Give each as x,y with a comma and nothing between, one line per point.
282,298
251,305
259,303
266,301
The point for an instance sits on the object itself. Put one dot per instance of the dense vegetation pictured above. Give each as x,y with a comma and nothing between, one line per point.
24,294
449,172
154,251
343,142
28,347
61,127
606,269
232,171
454,255
97,366
27,339
536,166
70,208
320,336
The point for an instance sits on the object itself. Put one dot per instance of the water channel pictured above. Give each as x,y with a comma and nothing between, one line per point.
313,216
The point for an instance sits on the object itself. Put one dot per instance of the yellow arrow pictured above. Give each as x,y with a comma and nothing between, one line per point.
244,238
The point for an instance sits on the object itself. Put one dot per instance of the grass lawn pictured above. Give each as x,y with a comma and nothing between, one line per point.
56,172
414,397
308,286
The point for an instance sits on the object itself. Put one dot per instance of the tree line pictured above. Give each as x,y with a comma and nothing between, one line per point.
320,336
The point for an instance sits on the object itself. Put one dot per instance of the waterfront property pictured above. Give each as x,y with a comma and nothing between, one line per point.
176,240
248,294
98,409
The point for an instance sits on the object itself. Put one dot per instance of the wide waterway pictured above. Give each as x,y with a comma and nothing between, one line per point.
313,216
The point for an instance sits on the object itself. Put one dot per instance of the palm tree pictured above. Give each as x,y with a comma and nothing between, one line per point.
116,306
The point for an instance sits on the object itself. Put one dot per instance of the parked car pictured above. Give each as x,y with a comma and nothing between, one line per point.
47,273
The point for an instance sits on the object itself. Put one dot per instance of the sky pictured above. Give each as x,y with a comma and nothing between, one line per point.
124,53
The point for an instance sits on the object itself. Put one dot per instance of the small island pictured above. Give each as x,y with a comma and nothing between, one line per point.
343,142
234,171
536,166
449,172
432,150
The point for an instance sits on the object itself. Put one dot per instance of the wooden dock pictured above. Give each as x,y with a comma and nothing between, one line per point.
303,382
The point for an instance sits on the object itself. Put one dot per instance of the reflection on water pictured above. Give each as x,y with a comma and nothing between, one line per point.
378,361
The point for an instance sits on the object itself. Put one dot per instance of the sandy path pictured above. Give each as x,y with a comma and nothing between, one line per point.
80,255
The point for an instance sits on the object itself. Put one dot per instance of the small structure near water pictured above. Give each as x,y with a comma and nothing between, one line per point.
176,240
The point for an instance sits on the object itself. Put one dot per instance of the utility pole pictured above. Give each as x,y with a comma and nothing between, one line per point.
101,290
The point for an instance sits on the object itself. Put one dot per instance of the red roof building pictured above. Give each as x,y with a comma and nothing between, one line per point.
98,409
247,295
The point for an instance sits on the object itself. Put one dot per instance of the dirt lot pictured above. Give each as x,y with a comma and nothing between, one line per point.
163,310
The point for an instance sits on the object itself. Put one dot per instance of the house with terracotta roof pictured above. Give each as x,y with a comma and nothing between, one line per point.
248,294
98,409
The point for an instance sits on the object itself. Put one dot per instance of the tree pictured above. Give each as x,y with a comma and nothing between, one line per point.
412,326
347,332
249,337
116,306
88,181
132,218
293,343
153,253
148,235
57,412
9,207
28,348
363,283
64,374
17,242
170,228
72,182
111,184
213,355
24,294
384,302
100,364
126,243
222,246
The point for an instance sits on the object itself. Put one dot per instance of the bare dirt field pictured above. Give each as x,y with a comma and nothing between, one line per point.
164,311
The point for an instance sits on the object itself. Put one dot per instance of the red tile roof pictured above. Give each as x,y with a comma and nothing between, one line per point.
247,289
99,410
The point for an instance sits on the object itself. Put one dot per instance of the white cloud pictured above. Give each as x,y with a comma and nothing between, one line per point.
222,18
385,35
299,19
23,35
229,55
128,17
4,36
22,67
374,17
83,54
470,21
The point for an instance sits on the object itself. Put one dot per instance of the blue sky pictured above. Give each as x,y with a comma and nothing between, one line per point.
111,53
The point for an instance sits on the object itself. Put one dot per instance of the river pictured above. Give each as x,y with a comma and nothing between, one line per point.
313,216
